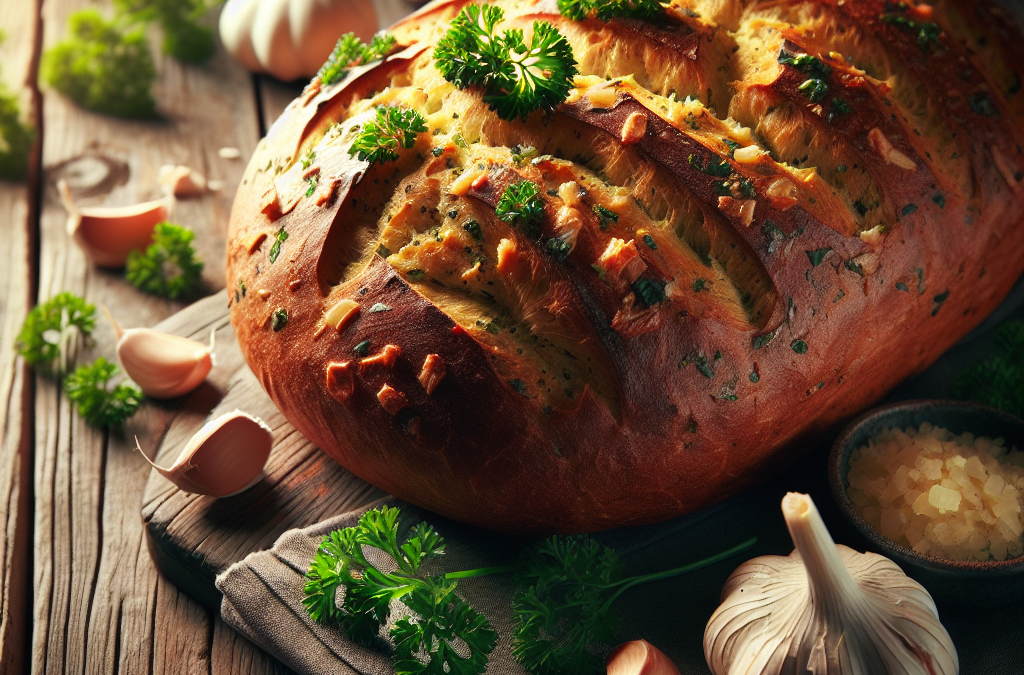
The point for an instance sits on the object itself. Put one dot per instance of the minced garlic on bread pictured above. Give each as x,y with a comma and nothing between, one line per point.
757,219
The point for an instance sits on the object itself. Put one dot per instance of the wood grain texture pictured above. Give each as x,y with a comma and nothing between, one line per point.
17,289
192,537
99,603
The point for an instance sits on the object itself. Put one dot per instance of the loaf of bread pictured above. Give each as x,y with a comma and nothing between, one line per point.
758,218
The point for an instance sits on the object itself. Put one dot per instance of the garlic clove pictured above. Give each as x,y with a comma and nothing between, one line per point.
223,458
163,365
181,181
639,657
107,234
827,609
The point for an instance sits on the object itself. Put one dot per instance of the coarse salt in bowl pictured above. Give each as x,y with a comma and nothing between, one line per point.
933,543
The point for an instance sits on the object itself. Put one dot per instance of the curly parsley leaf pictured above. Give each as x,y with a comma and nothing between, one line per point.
380,138
186,37
520,205
103,67
999,380
645,10
564,610
89,389
49,326
426,641
516,77
16,137
169,266
351,52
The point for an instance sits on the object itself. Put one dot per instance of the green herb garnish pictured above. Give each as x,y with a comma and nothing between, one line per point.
701,285
279,238
938,300
362,349
103,66
997,381
559,248
815,87
651,244
279,319
644,10
442,634
88,388
981,104
521,206
380,138
649,291
908,209
562,610
16,137
351,52
473,227
185,36
817,255
798,346
168,267
710,167
516,78
928,32
48,327
604,216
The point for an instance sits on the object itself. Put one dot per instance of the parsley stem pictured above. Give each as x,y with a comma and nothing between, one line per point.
482,572
629,583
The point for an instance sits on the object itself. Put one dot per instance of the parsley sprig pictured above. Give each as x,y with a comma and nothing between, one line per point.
394,127
578,10
101,406
516,78
999,380
48,327
520,204
426,640
351,52
169,266
562,612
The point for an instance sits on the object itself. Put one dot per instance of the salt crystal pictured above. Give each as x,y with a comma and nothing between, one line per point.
944,499
998,549
932,468
914,536
891,522
914,475
899,479
959,477
911,495
923,547
975,469
892,491
922,506
994,485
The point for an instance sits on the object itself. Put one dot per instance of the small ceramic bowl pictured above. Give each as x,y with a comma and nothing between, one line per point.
955,583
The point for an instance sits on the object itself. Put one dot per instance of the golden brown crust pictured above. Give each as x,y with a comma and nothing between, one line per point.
794,297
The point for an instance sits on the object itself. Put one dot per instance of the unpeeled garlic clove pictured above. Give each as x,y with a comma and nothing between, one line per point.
181,181
639,657
107,234
163,365
223,458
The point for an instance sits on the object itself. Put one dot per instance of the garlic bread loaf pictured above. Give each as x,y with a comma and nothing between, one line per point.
624,276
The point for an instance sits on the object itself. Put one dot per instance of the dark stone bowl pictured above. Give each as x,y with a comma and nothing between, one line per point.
966,584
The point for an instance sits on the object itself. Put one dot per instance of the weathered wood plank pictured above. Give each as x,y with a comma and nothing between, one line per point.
99,601
17,277
195,537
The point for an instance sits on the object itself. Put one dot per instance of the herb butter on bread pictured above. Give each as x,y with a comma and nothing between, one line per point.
744,223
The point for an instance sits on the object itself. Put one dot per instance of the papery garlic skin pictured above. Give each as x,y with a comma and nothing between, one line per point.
163,365
107,234
225,457
825,609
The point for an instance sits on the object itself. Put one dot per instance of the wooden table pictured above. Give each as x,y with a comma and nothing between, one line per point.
78,592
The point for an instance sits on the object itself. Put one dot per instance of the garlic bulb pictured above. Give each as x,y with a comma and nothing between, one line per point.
291,38
223,458
825,609
107,234
639,657
181,181
163,365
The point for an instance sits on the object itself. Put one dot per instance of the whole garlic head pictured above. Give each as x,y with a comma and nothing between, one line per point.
825,609
291,38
